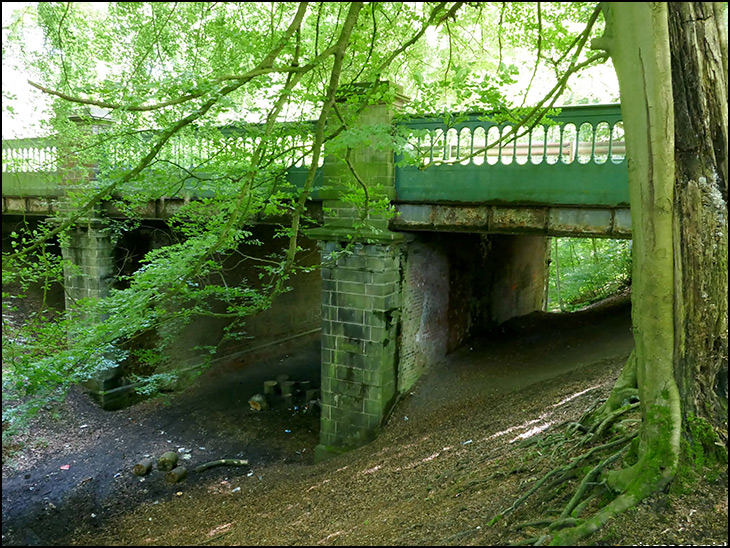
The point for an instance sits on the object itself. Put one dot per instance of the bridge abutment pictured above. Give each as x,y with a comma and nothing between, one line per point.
361,300
89,272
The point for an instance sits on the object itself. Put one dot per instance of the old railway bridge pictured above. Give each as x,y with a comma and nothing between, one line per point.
467,250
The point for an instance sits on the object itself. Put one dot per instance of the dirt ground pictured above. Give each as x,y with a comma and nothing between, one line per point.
448,459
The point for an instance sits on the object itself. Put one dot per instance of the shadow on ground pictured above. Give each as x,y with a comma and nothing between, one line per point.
446,461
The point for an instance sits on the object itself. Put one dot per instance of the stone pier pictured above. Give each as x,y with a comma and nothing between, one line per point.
395,302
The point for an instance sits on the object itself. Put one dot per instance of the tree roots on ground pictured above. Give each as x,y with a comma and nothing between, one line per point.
597,443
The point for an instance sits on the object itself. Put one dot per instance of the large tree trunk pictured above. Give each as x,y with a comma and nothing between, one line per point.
637,39
671,63
698,44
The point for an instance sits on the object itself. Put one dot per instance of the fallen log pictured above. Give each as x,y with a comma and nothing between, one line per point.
167,461
143,467
221,462
176,474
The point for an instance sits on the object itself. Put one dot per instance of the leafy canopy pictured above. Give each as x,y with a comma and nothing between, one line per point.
221,99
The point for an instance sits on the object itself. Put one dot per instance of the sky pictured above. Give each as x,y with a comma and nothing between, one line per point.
30,105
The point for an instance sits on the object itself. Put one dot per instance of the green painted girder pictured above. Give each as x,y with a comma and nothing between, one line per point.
590,184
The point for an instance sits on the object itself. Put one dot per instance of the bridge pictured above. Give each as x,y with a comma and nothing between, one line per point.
467,249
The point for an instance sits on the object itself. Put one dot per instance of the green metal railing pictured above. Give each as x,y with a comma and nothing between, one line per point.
30,167
577,160
234,145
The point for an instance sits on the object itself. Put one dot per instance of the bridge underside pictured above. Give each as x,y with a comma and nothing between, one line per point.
601,222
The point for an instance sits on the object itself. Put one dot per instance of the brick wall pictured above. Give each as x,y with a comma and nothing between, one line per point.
360,305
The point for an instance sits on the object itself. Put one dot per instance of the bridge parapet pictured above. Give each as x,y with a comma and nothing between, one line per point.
31,167
577,159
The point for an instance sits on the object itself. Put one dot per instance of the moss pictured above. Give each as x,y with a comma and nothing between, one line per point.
703,449
700,455
632,455
658,465
686,476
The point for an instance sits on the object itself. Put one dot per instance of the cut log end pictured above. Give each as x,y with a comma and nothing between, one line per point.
167,461
176,475
258,402
142,467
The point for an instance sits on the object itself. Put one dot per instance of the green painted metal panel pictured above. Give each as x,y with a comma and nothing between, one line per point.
576,159
31,184
40,183
560,184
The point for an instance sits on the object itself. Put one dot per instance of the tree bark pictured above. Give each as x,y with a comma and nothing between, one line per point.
698,44
221,462
637,39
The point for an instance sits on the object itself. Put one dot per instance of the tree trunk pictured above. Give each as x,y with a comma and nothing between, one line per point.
637,38
698,44
672,56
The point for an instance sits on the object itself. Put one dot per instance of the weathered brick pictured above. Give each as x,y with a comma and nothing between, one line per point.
354,288
355,331
350,315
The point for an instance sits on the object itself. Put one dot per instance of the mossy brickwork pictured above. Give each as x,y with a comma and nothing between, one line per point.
89,254
89,271
361,297
361,289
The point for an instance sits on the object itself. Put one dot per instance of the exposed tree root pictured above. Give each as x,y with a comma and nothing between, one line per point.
565,472
567,526
588,482
598,429
624,391
653,471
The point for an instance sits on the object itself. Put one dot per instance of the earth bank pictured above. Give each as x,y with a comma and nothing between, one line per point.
449,458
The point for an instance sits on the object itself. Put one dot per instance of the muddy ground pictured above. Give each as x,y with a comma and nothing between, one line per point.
448,459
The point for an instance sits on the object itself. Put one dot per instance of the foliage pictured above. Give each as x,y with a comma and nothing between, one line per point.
590,269
221,99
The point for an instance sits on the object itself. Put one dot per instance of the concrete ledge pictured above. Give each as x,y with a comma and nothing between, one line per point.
497,219
159,209
345,234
